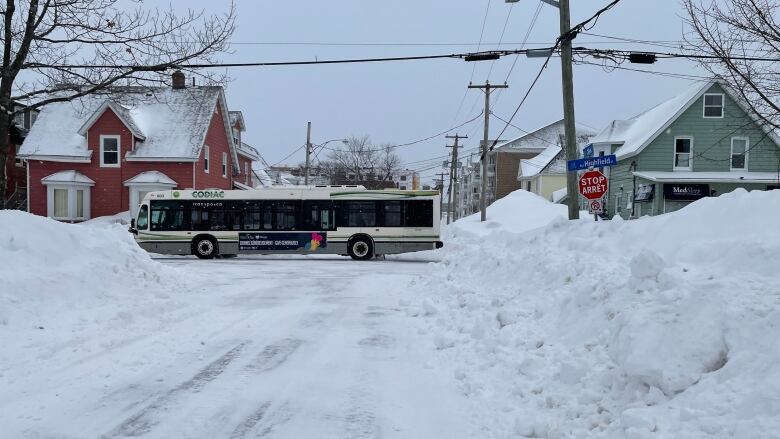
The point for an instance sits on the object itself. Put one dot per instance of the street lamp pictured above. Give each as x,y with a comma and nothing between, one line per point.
310,150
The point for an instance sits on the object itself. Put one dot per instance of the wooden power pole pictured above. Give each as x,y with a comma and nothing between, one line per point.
454,172
487,88
440,183
570,130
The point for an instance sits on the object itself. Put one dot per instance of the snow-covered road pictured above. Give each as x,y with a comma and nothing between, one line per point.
266,347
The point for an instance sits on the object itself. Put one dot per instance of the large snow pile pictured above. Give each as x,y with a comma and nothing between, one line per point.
520,210
61,280
660,327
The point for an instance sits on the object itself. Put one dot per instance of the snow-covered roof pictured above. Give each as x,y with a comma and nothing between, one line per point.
533,166
710,177
538,140
122,113
248,151
237,117
559,195
173,122
151,177
242,186
69,176
636,133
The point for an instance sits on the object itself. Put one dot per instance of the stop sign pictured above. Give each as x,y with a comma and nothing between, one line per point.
593,185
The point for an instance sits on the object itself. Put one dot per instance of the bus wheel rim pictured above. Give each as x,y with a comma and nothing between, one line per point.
206,247
360,249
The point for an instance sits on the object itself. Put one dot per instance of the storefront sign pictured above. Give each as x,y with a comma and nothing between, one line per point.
686,192
302,241
644,192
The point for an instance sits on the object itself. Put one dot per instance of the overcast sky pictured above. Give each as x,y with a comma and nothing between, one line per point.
405,101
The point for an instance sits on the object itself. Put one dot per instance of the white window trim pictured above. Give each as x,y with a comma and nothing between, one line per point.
224,165
206,159
747,152
722,106
71,188
246,173
674,154
135,189
118,150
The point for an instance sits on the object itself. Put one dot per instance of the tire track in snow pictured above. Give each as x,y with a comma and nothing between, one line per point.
144,420
273,355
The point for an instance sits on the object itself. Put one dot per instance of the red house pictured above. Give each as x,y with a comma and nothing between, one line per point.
99,155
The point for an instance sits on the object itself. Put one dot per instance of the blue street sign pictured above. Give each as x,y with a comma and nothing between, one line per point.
587,152
595,162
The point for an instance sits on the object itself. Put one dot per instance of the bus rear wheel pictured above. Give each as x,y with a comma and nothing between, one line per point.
204,247
360,249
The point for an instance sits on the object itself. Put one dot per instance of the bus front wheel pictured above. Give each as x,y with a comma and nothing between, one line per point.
204,247
361,248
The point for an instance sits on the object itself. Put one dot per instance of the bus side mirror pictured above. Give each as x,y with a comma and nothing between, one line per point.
132,223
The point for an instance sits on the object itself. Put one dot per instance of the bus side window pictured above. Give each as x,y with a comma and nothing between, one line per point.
325,222
419,213
391,211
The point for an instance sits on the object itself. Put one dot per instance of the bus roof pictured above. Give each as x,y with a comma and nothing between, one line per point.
292,193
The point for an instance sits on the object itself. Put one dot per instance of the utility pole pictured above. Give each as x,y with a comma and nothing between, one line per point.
308,154
449,193
440,182
570,130
454,168
487,88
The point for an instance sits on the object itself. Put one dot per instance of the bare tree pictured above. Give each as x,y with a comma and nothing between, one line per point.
731,31
358,157
388,163
60,50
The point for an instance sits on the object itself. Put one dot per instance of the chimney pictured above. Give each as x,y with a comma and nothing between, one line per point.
178,80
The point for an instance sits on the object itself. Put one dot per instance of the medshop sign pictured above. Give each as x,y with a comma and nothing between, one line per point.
686,192
301,241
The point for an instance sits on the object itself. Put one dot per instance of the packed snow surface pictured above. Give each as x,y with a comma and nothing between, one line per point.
527,325
662,327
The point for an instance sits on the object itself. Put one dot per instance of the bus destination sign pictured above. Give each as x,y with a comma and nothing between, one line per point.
301,241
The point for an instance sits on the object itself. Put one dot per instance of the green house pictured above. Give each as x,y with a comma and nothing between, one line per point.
702,143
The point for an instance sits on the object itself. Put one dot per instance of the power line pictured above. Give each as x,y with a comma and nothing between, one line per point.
289,155
517,57
415,141
162,67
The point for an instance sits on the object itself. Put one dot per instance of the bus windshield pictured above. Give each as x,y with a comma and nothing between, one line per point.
143,217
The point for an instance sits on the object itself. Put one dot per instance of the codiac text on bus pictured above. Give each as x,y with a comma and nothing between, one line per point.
208,194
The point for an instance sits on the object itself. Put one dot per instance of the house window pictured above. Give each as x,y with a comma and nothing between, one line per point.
403,178
70,203
713,105
109,151
224,164
206,159
246,172
683,153
739,153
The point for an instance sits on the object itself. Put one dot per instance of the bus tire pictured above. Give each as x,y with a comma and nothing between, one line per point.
205,247
360,248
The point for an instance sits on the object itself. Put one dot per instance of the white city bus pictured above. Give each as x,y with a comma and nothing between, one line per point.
345,220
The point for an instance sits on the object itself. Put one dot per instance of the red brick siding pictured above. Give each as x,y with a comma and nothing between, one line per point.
108,196
218,143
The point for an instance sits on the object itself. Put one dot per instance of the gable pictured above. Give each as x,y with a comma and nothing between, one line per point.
711,137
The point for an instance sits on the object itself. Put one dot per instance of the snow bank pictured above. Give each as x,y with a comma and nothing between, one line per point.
520,210
59,280
660,327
